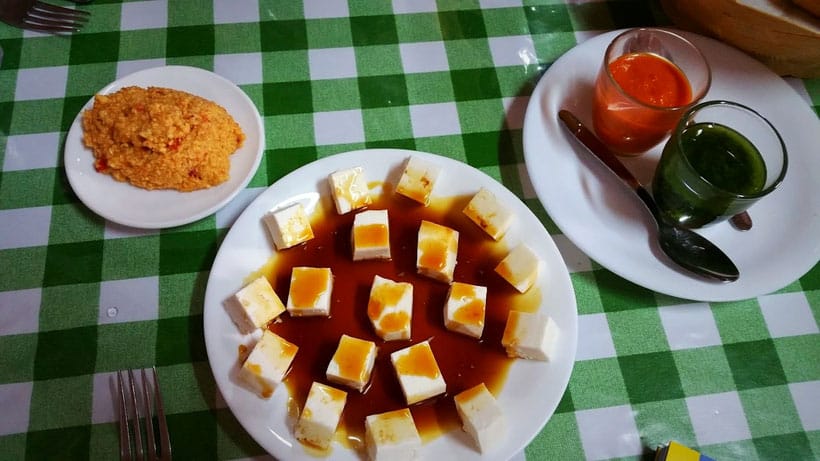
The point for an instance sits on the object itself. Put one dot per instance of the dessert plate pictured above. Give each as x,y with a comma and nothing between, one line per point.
122,203
606,221
532,389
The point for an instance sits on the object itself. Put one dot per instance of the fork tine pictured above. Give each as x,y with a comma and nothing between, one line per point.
149,423
55,19
54,9
34,12
51,25
125,438
137,431
165,439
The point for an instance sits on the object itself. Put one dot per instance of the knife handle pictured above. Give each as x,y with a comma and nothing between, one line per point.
597,147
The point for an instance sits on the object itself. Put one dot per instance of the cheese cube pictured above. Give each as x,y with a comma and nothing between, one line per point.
268,363
392,436
481,416
418,372
520,268
352,363
418,179
289,226
310,289
489,214
437,251
390,308
349,189
319,418
465,308
370,237
529,336
254,305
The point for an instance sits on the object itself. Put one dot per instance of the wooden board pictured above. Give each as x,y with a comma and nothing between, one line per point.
777,32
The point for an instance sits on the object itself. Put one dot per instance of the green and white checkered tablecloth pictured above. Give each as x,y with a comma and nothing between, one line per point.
81,297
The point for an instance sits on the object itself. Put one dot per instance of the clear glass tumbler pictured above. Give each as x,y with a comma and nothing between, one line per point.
648,79
721,158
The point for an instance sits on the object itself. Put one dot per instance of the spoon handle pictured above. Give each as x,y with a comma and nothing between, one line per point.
741,221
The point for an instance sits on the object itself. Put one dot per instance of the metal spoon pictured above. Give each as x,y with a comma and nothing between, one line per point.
685,247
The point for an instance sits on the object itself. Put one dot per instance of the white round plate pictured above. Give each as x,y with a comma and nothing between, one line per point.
122,203
532,389
608,222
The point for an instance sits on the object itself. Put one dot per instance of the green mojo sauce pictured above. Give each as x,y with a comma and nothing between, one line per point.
725,158
717,153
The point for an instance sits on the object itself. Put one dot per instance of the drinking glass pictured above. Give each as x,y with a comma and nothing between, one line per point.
632,117
721,158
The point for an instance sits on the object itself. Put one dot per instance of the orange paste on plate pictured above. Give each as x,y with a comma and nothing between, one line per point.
160,138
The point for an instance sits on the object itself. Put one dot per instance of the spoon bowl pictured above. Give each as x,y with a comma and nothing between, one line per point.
685,247
696,254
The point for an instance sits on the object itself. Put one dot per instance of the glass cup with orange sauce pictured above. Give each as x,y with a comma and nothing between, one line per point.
648,79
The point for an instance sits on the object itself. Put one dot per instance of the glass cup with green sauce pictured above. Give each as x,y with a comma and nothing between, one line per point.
721,158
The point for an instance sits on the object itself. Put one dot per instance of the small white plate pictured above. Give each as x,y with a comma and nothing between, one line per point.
532,389
122,203
608,222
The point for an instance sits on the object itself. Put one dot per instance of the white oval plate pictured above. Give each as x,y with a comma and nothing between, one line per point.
122,203
608,222
532,389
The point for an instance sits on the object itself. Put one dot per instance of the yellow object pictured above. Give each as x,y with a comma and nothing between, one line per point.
674,451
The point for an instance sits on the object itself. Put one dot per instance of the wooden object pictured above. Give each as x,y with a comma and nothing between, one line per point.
779,33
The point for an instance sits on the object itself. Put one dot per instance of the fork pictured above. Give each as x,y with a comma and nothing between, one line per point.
41,16
130,422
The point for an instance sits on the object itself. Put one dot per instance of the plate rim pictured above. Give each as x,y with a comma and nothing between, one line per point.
704,290
73,141
560,277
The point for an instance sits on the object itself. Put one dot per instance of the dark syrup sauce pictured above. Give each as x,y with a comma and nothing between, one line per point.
464,361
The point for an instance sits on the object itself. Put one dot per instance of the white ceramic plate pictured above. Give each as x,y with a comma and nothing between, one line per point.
532,390
128,205
608,222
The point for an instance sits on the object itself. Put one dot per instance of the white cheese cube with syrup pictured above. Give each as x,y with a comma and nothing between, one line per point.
288,226
529,335
489,214
418,180
309,293
352,363
349,189
465,309
320,416
392,436
254,305
390,308
268,363
418,372
437,251
520,268
370,236
481,416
